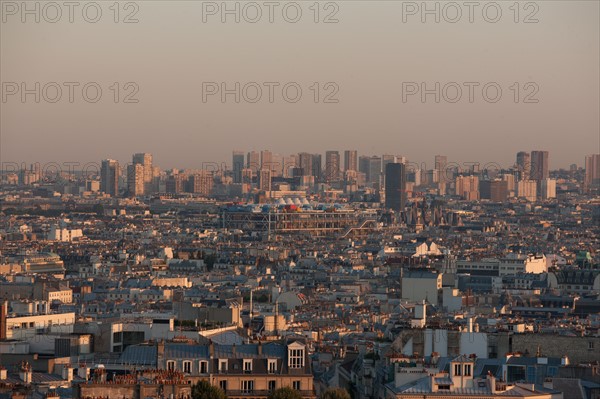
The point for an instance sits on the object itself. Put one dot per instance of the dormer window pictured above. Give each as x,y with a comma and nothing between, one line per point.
171,365
457,369
467,370
222,365
203,367
296,353
272,366
247,365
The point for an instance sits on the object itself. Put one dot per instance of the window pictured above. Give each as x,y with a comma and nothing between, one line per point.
296,358
203,367
272,366
222,365
247,365
223,385
171,365
271,385
187,366
296,385
457,369
467,369
247,386
591,345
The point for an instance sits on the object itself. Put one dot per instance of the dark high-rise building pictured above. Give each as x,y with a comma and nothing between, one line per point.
363,165
395,186
109,177
332,166
374,173
494,190
175,184
350,160
316,167
237,165
539,166
523,164
305,161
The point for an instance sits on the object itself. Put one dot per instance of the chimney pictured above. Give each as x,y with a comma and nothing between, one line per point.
3,315
25,373
83,372
160,354
3,373
211,349
492,381
67,372
434,387
259,349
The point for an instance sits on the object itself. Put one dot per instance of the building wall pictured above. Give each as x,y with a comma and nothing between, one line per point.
576,348
419,289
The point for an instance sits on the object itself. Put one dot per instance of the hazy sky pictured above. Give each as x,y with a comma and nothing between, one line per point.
371,54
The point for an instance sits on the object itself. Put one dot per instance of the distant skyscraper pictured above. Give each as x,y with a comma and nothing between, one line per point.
247,175
237,165
511,184
109,177
175,183
201,182
289,163
592,172
135,180
467,187
527,189
317,170
305,162
539,165
266,159
524,164
374,173
253,161
276,165
332,166
395,186
145,159
363,165
264,179
350,160
440,162
548,187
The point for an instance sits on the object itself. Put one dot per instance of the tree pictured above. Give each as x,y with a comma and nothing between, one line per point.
285,393
203,390
335,393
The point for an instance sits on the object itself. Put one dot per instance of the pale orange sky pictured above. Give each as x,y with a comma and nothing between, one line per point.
369,53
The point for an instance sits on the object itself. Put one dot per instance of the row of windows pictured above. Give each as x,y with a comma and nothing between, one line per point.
223,366
247,386
187,366
458,370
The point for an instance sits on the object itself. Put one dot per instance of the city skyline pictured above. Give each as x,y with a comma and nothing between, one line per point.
226,163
